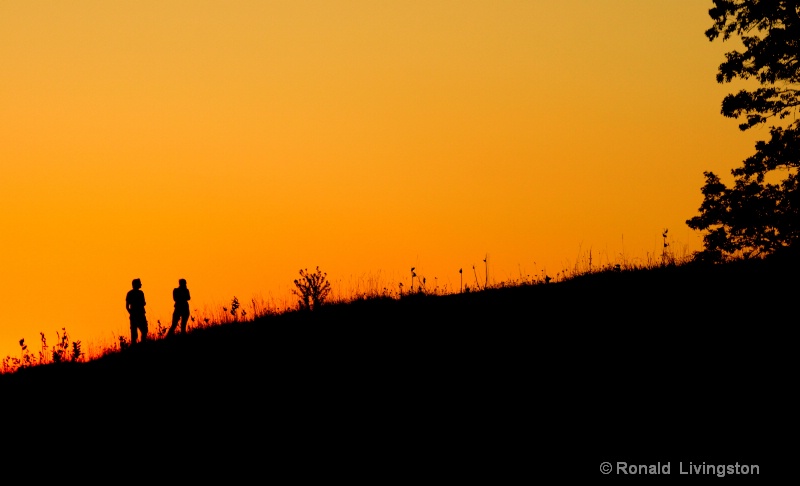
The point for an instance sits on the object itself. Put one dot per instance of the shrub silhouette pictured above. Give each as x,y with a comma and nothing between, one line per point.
312,288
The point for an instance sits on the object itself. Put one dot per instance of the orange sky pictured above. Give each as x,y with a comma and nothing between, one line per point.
233,143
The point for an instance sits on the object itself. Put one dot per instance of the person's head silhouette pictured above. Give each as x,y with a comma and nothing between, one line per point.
182,282
137,284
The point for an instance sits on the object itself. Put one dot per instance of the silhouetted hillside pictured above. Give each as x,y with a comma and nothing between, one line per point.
685,362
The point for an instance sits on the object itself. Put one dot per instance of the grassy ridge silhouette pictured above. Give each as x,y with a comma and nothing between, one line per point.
635,301
311,290
616,364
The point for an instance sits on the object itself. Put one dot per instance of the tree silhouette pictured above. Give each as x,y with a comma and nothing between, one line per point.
759,213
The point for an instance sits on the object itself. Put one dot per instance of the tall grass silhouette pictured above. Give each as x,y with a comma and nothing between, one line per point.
63,351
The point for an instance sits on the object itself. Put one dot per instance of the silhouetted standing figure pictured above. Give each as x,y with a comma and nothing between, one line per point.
134,303
181,296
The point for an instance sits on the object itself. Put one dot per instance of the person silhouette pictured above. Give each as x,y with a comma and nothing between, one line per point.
134,303
181,296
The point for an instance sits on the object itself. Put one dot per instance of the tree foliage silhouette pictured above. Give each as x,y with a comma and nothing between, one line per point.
759,213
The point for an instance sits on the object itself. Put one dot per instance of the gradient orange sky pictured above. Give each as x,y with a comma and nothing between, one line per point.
232,143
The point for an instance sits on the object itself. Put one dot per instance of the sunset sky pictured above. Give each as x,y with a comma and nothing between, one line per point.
232,143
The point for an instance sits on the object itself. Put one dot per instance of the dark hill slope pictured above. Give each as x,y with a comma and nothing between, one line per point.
594,368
